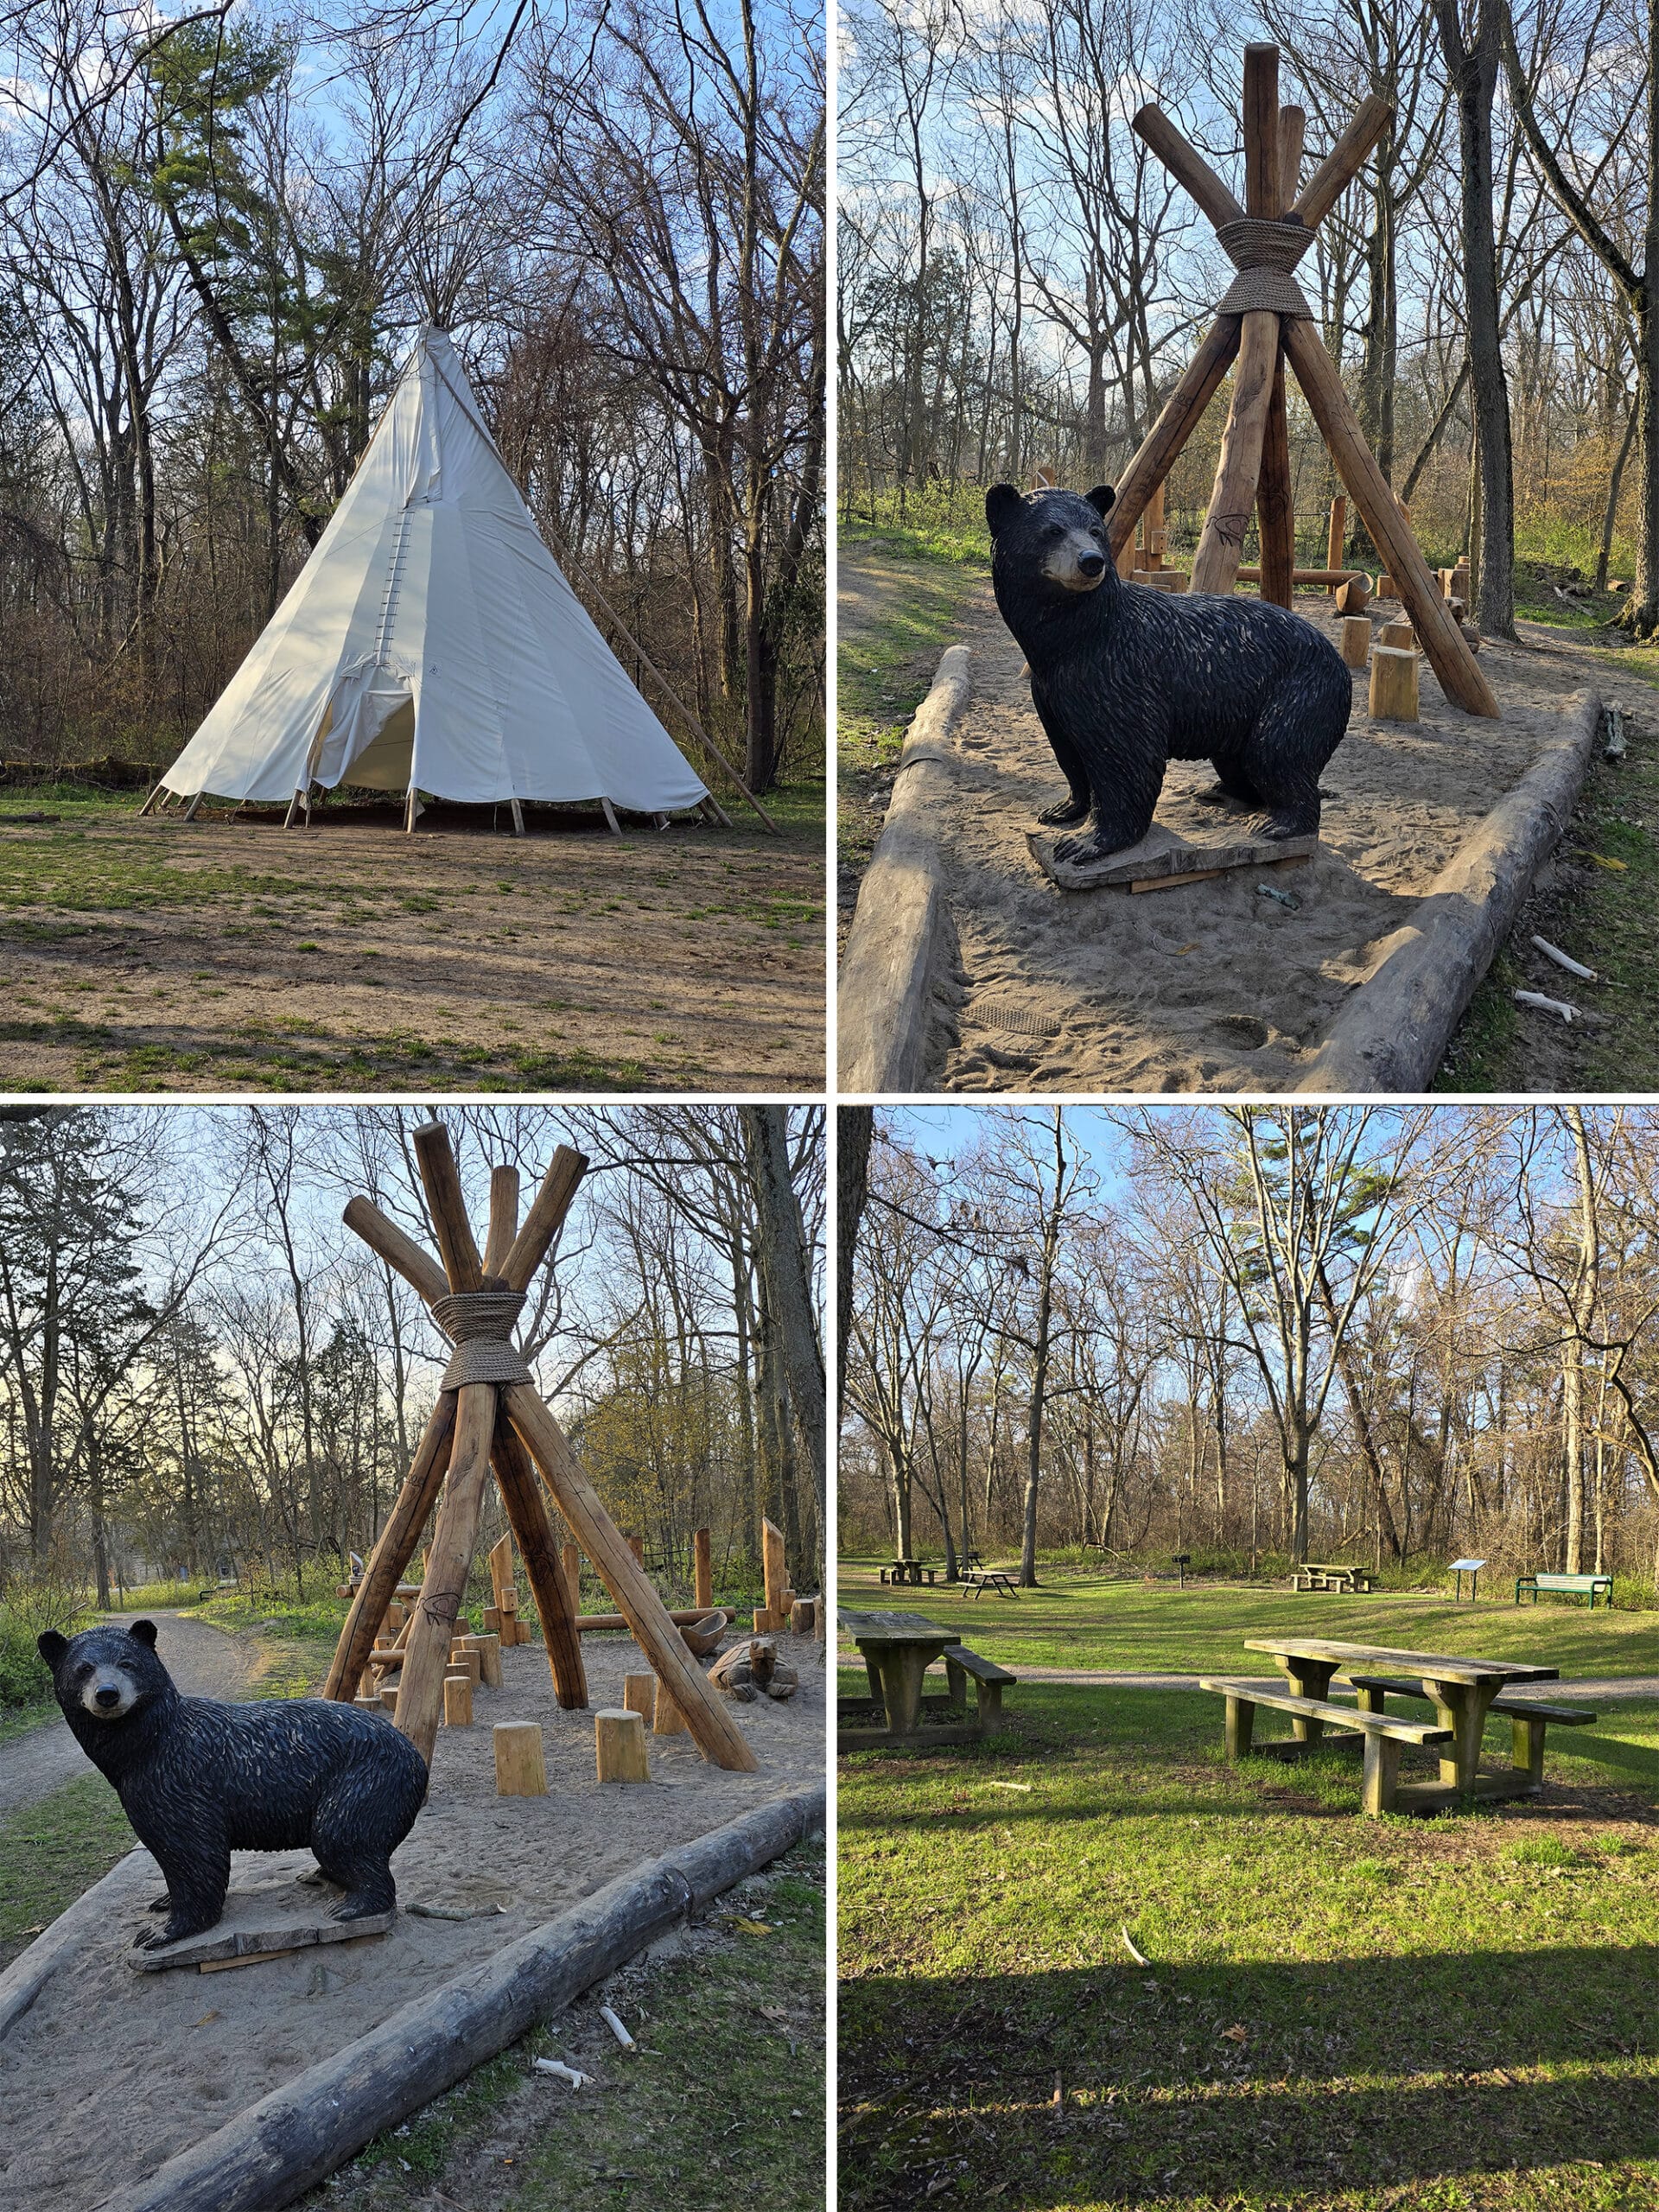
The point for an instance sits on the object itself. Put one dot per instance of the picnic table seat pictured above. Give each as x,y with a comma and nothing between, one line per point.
988,1679
1528,1718
1385,1735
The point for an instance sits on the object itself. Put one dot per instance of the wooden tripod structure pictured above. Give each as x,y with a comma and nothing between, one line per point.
1262,321
489,1413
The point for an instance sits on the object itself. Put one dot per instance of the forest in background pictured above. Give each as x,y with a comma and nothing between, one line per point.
1256,1334
203,1373
219,229
1021,282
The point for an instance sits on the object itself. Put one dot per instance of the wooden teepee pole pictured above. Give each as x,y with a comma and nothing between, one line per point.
394,1551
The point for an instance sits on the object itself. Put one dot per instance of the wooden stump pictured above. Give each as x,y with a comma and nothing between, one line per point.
370,1700
389,1700
1394,685
1399,634
619,1747
1354,596
803,1617
640,1695
488,1648
1386,587
458,1698
520,1769
1356,640
470,1662
668,1720
702,1573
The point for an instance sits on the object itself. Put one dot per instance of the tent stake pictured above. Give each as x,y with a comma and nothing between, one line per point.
610,816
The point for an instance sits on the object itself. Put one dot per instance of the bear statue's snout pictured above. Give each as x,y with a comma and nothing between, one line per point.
1093,565
107,1698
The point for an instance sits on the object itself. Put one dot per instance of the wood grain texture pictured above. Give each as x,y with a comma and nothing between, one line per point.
448,1559
527,1510
441,1180
1183,410
1232,501
548,1209
401,1253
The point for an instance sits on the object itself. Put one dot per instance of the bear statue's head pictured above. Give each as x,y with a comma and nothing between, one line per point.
104,1674
1056,538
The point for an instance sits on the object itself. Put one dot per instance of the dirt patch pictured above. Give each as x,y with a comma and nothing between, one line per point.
1216,987
176,2055
233,955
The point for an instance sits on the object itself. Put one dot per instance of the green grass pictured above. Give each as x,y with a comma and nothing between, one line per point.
1460,2012
886,658
24,1720
51,1851
1083,1621
722,2106
1605,916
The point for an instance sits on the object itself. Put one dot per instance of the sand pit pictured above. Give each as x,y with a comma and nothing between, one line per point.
110,2073
1216,986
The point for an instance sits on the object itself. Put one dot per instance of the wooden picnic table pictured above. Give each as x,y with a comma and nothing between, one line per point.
1460,1688
980,1579
901,1571
897,1650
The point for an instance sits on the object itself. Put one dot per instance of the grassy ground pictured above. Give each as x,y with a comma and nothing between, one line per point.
52,1851
1084,1622
902,592
214,955
723,2105
1455,2013
1599,902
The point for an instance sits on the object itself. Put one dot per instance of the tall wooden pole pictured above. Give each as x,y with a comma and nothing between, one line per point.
1161,446
1214,566
521,1494
448,1562
393,1552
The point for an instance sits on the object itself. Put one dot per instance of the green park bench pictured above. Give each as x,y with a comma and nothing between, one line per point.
1385,1736
1566,1585
1527,1716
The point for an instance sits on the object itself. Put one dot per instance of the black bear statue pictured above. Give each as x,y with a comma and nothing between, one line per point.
199,1779
1126,678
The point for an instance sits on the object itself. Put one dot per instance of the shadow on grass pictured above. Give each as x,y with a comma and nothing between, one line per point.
1260,2084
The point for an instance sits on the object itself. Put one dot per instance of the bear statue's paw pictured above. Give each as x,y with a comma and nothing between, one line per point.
1064,813
1278,829
171,1931
1097,846
362,1905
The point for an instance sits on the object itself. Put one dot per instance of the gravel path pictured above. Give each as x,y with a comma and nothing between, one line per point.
204,1661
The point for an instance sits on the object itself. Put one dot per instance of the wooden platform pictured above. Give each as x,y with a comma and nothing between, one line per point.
1164,859
261,1923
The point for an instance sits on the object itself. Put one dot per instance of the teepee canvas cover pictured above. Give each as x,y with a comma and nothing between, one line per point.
430,643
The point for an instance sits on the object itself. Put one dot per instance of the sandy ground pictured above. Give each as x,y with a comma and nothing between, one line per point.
1214,987
219,955
112,2072
204,1661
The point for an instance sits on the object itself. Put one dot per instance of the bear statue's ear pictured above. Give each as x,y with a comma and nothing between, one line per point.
52,1647
1002,503
143,1632
1101,498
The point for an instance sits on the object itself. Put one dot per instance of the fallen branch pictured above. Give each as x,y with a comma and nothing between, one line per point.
1564,959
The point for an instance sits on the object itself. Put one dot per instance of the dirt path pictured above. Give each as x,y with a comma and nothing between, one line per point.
233,955
1225,985
204,1661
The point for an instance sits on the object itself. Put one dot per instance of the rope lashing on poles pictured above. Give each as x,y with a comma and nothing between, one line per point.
480,1324
1264,251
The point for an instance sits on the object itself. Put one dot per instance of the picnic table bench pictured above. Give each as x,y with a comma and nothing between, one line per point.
1571,1586
980,1579
909,1570
1528,1717
1461,1688
897,1650
1313,1576
1382,1734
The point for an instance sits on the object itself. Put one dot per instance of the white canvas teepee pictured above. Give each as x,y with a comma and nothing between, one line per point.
431,644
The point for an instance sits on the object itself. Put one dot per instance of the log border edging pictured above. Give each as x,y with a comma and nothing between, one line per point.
293,2138
1392,1033
884,978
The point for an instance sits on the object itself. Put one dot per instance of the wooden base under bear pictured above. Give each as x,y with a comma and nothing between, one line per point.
1163,861
260,1923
